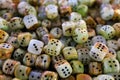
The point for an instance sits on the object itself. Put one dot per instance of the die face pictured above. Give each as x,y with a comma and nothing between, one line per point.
95,68
24,39
41,31
47,2
77,66
53,47
88,44
74,16
99,39
9,66
19,54
105,77
80,35
35,46
22,72
34,75
63,68
112,44
49,75
6,50
83,77
116,76
51,11
116,26
98,51
70,53
29,59
110,65
81,24
46,38
56,32
112,53
107,31
43,61
91,22
3,36
16,23
13,41
116,16
67,28
57,58
4,24
30,22
83,55
107,12
30,10
46,23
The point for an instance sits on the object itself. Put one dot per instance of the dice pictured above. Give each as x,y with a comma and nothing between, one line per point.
69,78
91,32
6,50
13,41
98,51
56,32
74,16
111,65
106,12
83,55
80,35
47,2
46,23
112,44
70,53
29,59
99,38
104,77
35,46
19,54
57,58
63,68
81,24
43,61
53,47
73,2
49,75
88,44
31,22
22,72
83,77
3,36
118,56
41,13
9,66
16,23
116,26
51,11
41,31
24,39
116,76
116,16
112,53
34,75
95,68
77,66
107,31
67,28
4,24
5,77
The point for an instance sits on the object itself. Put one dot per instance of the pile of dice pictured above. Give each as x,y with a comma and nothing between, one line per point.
59,39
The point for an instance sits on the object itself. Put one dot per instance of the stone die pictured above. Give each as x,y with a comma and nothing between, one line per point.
49,75
24,39
57,58
3,36
35,46
83,55
77,66
104,77
29,59
95,68
111,65
98,51
43,61
9,66
70,53
35,75
22,72
53,47
6,50
63,68
31,22
19,54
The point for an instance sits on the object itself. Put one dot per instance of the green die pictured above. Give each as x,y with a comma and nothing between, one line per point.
77,66
3,24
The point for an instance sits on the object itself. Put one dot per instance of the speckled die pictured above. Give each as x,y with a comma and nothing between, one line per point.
3,36
35,75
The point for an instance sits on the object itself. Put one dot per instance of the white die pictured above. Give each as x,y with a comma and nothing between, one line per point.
63,68
104,77
98,51
51,11
73,2
81,24
74,16
30,21
35,46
